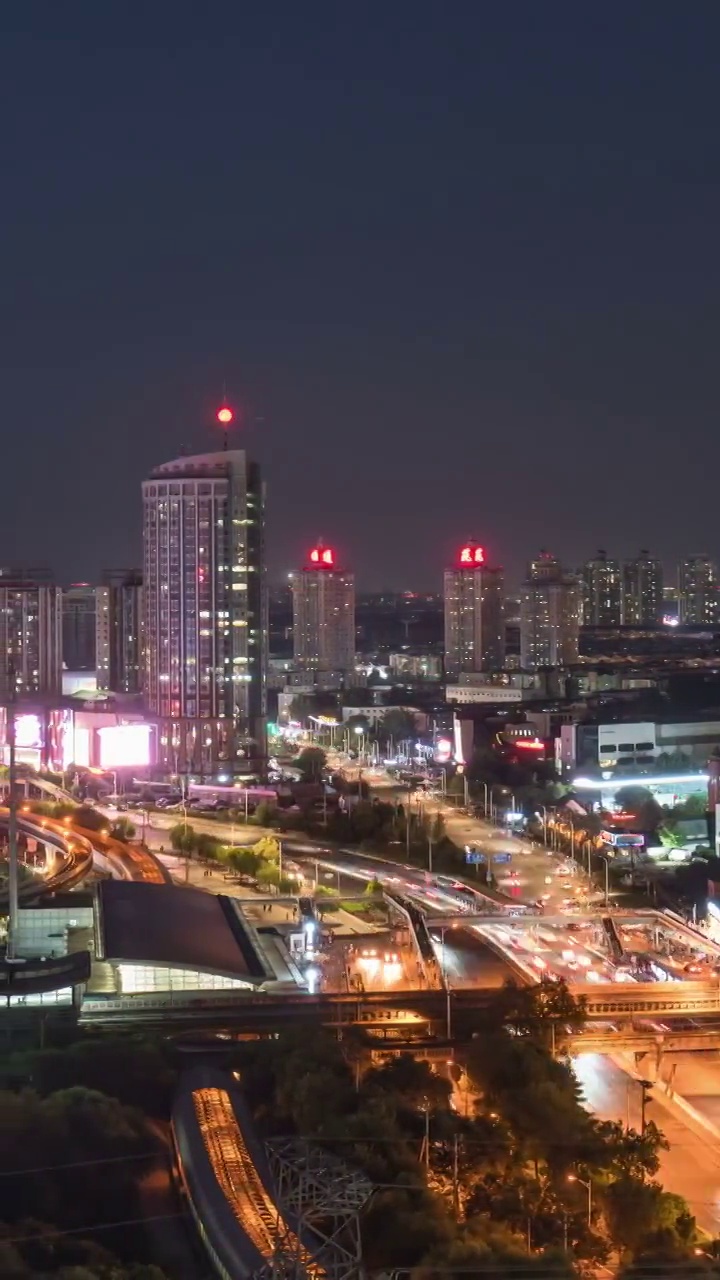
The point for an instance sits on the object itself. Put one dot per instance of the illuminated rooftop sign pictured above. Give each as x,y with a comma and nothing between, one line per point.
471,555
322,557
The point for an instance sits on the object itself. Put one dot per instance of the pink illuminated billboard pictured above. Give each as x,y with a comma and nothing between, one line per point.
124,744
28,732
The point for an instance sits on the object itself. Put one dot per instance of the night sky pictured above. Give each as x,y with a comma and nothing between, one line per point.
458,262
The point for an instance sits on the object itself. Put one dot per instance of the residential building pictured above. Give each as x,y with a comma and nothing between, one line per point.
550,609
205,612
324,615
474,614
120,632
698,592
643,601
30,637
602,592
78,627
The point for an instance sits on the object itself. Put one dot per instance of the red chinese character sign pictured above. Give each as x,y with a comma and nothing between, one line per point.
323,557
471,555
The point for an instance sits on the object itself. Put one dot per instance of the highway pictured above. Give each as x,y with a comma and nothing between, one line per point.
691,1167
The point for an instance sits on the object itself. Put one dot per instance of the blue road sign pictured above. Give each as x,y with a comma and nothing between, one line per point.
502,857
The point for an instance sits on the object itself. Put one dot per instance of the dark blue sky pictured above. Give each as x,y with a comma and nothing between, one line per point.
460,262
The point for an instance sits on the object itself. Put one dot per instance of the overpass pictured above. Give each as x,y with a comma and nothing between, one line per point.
603,1004
635,1040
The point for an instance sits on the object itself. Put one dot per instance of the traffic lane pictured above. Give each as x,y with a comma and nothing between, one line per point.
573,953
691,1167
467,960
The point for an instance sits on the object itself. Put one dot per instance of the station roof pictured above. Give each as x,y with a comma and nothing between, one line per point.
181,927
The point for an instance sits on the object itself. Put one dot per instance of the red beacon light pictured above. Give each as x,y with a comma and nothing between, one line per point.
472,555
224,416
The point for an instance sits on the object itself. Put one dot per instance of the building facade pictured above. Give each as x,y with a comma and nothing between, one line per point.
474,614
78,627
550,613
120,631
643,601
205,612
30,638
602,587
698,592
324,615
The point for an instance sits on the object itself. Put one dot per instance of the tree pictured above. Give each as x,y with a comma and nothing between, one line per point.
205,845
183,838
641,803
265,814
89,818
123,829
411,1082
311,763
533,1011
641,1215
398,724
245,861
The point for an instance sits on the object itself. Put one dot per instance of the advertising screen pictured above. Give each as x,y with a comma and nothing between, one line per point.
28,732
124,744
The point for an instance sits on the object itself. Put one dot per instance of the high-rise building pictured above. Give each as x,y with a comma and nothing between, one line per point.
602,592
698,592
78,627
474,614
120,631
30,637
324,615
550,609
643,591
206,612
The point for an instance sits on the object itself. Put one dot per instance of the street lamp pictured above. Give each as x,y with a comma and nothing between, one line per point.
607,880
443,930
572,1177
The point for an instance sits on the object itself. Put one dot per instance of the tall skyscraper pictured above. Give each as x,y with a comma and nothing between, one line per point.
206,612
643,591
324,615
78,627
602,592
474,614
550,609
30,637
120,632
698,592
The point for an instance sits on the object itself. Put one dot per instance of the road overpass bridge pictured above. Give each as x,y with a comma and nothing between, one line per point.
614,1040
603,1004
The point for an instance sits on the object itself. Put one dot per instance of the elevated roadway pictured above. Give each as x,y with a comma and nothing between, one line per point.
603,1004
73,857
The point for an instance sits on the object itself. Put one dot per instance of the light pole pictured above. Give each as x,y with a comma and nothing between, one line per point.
448,1013
572,1177
572,835
484,786
544,822
607,881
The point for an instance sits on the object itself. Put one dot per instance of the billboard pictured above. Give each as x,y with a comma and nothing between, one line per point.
124,744
28,732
